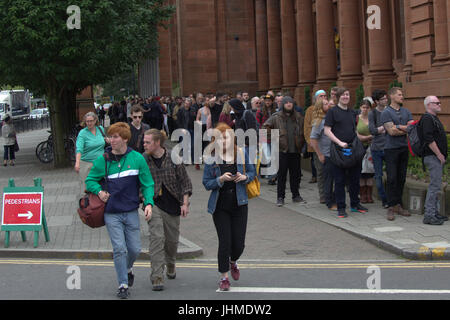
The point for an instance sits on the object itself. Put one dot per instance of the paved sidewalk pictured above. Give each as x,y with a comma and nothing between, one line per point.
405,236
70,238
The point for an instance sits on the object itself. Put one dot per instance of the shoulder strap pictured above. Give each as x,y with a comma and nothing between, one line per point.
101,131
243,158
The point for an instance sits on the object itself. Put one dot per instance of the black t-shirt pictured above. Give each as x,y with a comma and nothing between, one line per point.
342,123
433,130
137,136
216,110
224,168
165,201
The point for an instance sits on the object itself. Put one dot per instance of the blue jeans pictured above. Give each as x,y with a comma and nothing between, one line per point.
125,235
378,158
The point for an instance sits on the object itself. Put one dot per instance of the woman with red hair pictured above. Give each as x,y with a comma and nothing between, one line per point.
226,175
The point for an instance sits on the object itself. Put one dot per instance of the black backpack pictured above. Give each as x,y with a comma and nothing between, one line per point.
415,137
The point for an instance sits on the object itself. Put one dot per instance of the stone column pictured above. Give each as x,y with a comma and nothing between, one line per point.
305,48
326,50
380,50
408,51
289,44
262,53
440,30
380,40
350,45
274,44
448,24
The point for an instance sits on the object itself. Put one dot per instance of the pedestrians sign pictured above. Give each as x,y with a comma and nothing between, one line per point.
23,210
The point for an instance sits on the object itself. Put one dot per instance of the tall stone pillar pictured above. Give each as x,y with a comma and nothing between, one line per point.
381,71
326,50
408,52
305,49
350,46
274,44
448,23
440,30
262,53
289,45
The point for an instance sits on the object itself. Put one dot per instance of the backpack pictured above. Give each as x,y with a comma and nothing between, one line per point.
415,137
415,145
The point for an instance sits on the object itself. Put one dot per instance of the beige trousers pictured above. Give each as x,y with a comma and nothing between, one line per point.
164,232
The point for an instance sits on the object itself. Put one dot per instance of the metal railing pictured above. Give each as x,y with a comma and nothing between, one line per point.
22,125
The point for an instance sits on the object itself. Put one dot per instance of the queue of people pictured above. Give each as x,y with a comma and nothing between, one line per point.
348,148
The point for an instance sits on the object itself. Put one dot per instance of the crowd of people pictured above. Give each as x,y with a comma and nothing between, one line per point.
350,150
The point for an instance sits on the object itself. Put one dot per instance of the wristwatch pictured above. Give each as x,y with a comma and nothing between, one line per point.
398,127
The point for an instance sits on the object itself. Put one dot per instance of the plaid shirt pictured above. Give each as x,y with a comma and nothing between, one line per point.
174,177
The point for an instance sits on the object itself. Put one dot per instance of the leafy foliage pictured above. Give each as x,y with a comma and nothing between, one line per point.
39,50
415,169
307,92
359,96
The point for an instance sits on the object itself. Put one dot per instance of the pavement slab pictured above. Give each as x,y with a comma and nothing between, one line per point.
70,238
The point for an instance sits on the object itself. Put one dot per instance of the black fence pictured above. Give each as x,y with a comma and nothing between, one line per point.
22,125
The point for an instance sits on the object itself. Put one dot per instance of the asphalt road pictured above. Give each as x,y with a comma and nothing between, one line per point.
26,279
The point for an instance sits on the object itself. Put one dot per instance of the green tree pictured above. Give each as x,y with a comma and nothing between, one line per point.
307,93
121,85
359,96
44,53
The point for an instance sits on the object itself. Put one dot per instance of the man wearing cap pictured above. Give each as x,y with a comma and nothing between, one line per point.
267,109
320,94
290,125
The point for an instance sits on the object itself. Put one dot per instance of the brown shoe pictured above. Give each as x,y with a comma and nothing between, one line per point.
400,211
158,284
390,214
313,180
171,271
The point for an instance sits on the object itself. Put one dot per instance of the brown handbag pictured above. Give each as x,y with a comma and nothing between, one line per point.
91,208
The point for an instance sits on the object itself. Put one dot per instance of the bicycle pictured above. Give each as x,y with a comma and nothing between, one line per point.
44,150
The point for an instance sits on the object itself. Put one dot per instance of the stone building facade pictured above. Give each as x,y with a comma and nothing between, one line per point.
256,45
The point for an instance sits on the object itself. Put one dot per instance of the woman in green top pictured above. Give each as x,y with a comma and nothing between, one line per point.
362,129
90,146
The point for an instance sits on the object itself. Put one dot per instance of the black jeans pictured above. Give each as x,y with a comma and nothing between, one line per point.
328,182
231,226
396,166
291,162
9,153
341,177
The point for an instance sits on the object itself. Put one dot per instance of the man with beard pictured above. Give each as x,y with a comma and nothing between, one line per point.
290,146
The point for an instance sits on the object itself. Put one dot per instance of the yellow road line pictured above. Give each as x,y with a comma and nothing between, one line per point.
242,265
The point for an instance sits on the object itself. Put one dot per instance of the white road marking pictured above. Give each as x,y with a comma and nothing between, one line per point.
332,291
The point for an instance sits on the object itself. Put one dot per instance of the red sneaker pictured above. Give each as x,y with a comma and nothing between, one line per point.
224,284
235,271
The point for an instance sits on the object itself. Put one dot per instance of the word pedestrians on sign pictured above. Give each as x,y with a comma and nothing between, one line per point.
23,210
